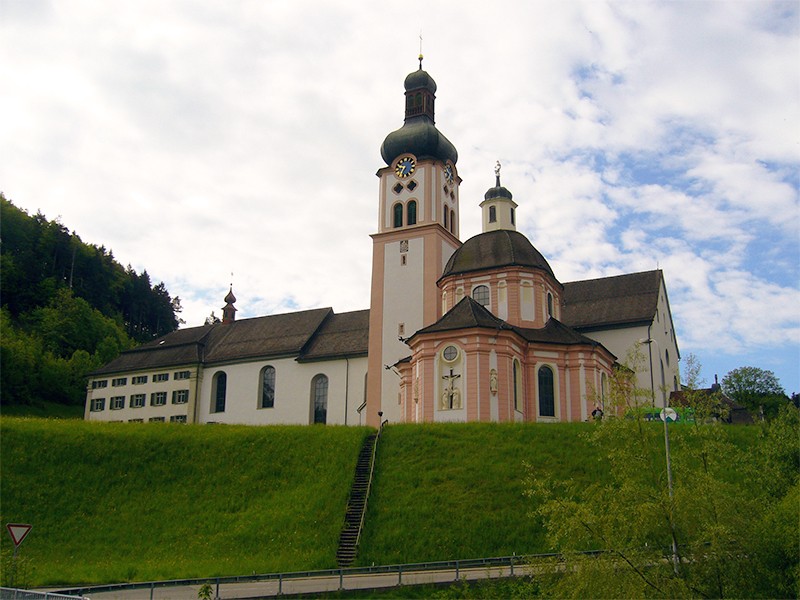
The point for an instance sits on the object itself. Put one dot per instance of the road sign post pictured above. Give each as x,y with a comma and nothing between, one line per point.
18,532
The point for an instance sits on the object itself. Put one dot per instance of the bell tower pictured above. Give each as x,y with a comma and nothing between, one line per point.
418,224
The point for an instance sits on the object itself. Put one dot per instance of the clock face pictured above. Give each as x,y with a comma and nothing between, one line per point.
405,167
448,174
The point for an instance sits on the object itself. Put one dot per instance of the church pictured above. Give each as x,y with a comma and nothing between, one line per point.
480,330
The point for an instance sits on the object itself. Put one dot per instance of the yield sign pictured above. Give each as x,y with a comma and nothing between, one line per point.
18,532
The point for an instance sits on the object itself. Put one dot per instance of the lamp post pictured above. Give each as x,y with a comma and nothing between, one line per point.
666,450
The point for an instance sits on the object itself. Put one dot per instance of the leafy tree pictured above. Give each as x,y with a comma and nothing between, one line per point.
718,514
67,308
756,389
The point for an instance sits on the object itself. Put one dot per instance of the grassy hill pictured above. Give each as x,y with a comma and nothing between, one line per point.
117,502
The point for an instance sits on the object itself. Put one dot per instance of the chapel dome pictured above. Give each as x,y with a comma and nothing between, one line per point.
494,250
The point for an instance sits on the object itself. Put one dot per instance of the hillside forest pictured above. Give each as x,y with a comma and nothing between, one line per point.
67,307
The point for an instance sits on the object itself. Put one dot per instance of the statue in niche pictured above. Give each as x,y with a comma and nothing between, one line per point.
493,382
451,396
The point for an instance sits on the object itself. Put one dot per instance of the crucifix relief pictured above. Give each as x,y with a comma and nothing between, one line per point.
451,397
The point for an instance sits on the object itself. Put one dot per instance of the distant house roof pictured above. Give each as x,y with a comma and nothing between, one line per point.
737,414
612,301
468,314
309,335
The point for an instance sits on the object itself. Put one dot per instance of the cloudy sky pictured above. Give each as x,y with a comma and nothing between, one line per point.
199,139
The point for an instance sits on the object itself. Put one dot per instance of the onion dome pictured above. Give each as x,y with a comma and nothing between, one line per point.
418,135
230,298
494,250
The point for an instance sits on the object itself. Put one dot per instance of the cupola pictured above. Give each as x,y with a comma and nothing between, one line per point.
497,207
418,135
229,310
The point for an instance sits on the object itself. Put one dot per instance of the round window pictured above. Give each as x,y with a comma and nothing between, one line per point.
450,353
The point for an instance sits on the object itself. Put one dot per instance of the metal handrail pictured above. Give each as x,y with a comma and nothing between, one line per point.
469,563
369,483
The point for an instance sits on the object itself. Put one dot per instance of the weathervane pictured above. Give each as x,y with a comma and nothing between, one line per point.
497,172
420,49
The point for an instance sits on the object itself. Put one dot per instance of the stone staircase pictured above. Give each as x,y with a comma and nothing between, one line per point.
357,503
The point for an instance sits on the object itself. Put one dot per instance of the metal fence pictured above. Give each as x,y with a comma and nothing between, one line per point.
17,594
404,573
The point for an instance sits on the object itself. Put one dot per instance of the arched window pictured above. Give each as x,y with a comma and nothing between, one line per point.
411,212
220,391
445,217
492,214
452,221
267,387
547,399
517,376
397,221
319,399
481,295
666,355
512,215
549,304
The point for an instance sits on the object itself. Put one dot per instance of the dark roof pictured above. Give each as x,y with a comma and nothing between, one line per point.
468,314
341,335
608,301
493,250
314,334
273,335
464,315
736,413
555,332
419,136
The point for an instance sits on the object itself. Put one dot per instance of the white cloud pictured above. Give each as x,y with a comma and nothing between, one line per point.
197,139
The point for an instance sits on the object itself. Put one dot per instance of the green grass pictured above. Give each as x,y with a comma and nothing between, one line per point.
134,502
119,502
446,491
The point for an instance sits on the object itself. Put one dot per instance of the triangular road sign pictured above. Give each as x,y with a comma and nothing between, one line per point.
18,532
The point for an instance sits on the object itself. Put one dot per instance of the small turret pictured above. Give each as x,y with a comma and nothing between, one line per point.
498,207
229,310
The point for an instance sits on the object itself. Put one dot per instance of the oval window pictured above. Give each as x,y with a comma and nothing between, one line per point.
450,353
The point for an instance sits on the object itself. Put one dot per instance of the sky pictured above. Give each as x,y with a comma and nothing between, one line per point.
212,143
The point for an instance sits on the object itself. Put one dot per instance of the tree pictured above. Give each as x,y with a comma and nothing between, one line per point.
756,389
733,512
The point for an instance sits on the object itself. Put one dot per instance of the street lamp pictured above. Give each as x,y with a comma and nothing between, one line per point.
666,448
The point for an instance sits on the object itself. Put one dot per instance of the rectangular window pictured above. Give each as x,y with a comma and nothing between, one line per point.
117,402
182,375
98,404
156,419
135,420
139,379
99,383
158,398
180,396
177,419
161,377
137,400
119,381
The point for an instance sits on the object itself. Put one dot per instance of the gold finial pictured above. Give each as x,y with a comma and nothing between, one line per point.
420,50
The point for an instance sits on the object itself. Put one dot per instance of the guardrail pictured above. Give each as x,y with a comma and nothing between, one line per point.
18,594
458,566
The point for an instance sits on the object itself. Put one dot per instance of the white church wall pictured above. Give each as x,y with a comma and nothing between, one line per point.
293,392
